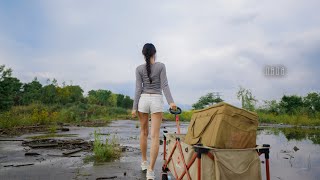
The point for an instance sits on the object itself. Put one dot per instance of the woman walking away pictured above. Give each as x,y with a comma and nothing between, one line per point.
151,80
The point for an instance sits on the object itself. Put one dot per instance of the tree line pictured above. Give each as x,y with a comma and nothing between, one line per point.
289,109
15,93
288,104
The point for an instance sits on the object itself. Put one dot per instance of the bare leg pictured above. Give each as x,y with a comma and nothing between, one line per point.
144,129
156,119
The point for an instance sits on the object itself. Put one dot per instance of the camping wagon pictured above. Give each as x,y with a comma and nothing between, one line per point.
201,162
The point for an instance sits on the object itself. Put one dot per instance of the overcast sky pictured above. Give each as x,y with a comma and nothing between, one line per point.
207,46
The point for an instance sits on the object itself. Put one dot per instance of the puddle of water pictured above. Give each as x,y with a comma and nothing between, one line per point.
287,162
294,165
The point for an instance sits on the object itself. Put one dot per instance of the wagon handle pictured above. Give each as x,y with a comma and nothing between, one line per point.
176,115
175,112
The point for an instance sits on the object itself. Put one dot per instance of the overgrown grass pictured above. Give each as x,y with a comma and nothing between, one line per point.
301,119
104,151
40,114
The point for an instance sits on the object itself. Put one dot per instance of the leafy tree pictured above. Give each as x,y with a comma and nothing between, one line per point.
69,94
248,101
124,101
312,102
9,89
112,100
49,94
291,104
5,72
99,97
206,100
127,102
271,106
31,92
120,98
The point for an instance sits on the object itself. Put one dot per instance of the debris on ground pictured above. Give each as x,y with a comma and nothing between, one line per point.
285,151
11,139
93,123
31,154
110,177
70,144
27,129
295,148
63,129
71,152
18,165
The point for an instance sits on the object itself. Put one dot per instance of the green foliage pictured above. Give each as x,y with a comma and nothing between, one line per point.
206,100
31,92
292,109
248,101
127,102
49,94
100,97
69,94
271,107
105,151
31,103
9,89
312,102
291,104
298,119
41,114
13,92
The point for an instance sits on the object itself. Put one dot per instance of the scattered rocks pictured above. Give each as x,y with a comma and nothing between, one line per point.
295,148
161,141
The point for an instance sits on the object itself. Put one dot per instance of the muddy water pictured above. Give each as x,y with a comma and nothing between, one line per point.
286,161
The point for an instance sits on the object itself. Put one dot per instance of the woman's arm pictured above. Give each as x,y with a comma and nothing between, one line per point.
138,90
165,85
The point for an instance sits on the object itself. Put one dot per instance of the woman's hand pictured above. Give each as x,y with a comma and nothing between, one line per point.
173,106
134,113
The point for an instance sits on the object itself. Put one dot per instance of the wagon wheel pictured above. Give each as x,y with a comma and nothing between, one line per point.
164,176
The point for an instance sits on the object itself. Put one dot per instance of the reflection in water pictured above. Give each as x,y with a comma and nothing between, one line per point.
296,133
295,152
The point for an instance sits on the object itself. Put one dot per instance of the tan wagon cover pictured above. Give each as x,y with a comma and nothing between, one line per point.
223,126
228,164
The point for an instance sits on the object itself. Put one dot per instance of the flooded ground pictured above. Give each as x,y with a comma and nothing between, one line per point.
295,154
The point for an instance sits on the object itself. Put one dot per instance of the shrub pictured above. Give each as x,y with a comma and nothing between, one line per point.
105,151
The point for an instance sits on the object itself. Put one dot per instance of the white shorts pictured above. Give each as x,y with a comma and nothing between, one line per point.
150,103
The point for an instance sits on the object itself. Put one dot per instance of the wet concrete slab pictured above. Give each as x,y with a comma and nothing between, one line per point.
50,165
304,163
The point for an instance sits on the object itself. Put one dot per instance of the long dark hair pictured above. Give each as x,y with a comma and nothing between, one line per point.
148,51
